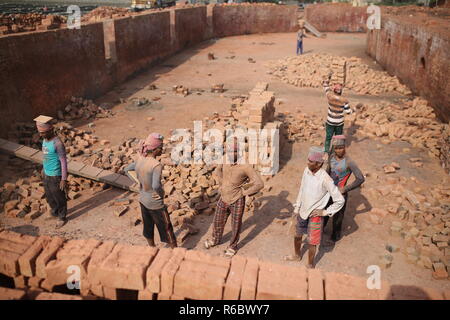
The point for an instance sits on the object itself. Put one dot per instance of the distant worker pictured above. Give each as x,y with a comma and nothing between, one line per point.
54,172
148,171
340,167
300,35
337,107
236,182
316,189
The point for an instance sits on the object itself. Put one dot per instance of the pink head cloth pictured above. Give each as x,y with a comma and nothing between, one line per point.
316,154
338,140
44,127
153,141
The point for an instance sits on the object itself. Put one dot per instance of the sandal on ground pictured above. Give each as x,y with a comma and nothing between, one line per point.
60,223
291,258
209,244
230,252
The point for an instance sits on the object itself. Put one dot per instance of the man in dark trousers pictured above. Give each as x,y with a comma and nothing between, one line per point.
54,171
151,195
340,167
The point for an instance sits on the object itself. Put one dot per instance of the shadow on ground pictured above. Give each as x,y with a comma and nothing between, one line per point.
93,202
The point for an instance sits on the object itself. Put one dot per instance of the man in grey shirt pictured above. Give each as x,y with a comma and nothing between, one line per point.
151,195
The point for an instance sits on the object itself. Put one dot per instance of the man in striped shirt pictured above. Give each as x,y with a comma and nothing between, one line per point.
337,107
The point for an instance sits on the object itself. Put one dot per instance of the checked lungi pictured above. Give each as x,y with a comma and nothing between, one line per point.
223,210
311,227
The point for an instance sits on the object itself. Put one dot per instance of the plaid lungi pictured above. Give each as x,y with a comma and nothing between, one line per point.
223,210
312,227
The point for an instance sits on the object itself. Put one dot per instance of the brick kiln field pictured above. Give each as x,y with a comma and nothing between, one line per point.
266,228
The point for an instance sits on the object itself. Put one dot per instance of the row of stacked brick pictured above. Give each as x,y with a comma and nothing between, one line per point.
41,266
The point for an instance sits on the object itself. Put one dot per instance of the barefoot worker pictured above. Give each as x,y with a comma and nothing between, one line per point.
148,172
54,171
340,167
315,191
236,182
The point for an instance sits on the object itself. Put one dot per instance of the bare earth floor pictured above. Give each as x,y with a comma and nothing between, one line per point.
265,232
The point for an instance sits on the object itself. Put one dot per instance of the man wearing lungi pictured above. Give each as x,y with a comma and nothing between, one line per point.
236,182
315,191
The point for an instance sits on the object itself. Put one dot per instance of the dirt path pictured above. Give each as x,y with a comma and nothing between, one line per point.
265,231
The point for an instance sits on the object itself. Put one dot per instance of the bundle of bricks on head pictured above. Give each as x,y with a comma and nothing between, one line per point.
37,268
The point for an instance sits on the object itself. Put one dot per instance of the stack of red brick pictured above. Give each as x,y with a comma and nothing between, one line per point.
258,112
39,266
14,23
259,108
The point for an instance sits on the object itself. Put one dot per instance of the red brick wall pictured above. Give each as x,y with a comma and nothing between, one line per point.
337,17
190,26
41,70
140,41
230,20
107,268
418,55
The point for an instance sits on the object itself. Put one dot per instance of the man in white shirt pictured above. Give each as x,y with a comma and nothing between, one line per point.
315,191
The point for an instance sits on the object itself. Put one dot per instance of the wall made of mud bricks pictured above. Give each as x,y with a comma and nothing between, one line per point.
418,55
40,71
140,41
36,268
190,26
337,17
231,20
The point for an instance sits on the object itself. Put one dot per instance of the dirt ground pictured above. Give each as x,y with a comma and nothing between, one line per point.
265,232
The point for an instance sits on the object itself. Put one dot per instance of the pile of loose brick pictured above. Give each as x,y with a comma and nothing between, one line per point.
14,23
104,13
80,108
413,121
246,4
421,217
302,127
25,198
311,70
38,268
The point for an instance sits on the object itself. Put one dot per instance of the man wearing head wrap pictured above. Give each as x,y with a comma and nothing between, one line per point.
236,182
54,170
316,189
340,167
151,194
337,107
